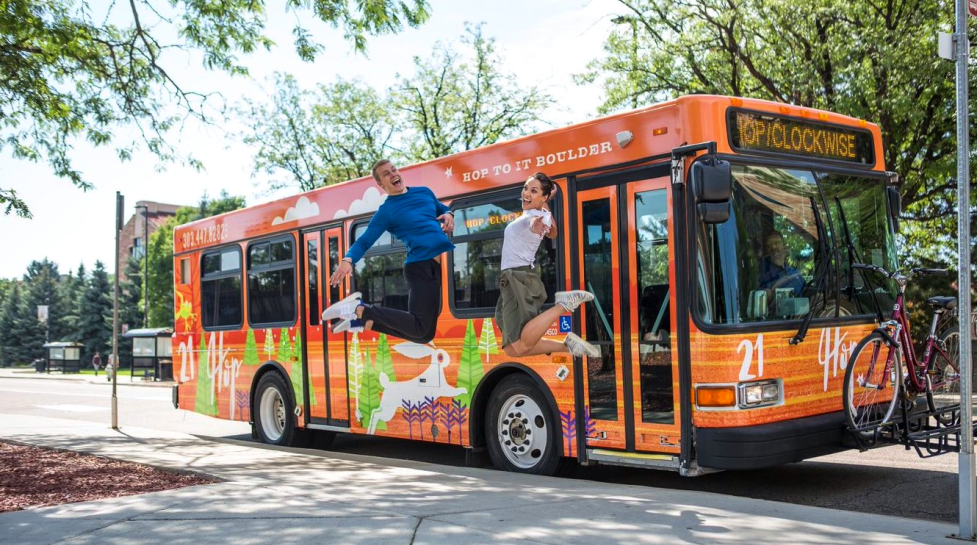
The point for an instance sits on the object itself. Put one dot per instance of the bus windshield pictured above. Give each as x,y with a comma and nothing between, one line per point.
789,244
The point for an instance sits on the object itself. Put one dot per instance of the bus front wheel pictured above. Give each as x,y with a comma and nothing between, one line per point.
274,409
522,436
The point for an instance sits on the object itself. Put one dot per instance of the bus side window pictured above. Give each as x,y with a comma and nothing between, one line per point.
476,262
220,289
379,276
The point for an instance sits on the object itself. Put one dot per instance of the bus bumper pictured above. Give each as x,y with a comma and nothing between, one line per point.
767,445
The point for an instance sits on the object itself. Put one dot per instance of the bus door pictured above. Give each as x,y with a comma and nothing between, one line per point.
625,256
325,350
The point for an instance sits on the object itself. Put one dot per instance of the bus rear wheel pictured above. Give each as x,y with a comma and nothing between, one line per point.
522,435
274,421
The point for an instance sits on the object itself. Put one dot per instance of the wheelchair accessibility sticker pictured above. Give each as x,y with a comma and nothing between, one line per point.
566,323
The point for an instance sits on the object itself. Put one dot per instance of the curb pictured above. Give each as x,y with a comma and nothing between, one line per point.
91,379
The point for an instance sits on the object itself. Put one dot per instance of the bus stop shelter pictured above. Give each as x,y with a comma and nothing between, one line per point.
63,356
152,353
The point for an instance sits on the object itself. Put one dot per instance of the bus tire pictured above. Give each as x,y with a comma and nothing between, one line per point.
520,430
274,410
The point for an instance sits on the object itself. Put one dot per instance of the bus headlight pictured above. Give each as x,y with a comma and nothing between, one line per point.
760,394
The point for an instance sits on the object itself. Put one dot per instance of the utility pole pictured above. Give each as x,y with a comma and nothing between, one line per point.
119,206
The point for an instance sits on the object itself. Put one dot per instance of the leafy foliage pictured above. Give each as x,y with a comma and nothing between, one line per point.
320,137
159,285
458,99
470,369
869,60
75,69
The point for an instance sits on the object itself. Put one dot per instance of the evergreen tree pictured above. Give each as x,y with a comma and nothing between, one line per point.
68,289
96,305
10,348
43,288
470,370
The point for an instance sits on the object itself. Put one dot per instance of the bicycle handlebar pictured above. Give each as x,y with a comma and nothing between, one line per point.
894,274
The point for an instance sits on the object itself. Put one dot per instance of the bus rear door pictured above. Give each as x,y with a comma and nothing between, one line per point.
325,350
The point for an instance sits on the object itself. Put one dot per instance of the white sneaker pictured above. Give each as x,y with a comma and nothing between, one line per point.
579,347
345,309
353,326
572,299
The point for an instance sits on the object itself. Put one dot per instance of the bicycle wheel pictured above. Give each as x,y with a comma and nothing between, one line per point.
943,381
871,388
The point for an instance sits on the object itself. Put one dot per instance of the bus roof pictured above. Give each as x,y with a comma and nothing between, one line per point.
601,143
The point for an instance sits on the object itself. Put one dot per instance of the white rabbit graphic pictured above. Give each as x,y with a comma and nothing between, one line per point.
431,383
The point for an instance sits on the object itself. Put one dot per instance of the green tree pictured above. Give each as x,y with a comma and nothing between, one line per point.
42,288
868,60
82,70
205,401
369,391
251,351
456,100
10,346
470,369
159,285
70,289
320,137
460,99
94,329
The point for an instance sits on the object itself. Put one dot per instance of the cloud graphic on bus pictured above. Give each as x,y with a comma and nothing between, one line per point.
303,209
372,199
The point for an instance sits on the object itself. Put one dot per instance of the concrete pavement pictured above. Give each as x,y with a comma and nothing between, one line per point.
283,496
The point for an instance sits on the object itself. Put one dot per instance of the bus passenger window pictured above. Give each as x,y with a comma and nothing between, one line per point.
477,259
220,289
271,282
379,276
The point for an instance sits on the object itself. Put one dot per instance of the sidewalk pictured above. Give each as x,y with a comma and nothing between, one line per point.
124,378
285,496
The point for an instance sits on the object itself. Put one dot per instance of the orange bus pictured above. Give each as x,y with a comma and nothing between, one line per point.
716,233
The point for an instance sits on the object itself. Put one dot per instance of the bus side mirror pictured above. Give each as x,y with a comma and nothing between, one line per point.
712,188
895,205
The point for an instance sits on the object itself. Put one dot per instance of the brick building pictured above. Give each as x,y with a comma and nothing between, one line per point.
132,240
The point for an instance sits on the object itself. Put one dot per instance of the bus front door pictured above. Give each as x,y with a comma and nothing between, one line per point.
325,350
625,256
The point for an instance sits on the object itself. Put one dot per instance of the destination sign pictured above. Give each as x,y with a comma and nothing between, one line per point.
754,131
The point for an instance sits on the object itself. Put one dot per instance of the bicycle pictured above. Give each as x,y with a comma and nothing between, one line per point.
951,334
875,378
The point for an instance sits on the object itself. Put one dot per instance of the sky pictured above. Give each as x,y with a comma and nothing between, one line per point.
543,42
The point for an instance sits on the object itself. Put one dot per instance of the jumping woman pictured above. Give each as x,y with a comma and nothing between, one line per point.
519,310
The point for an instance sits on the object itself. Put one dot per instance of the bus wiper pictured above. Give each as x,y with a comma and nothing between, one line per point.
820,280
854,258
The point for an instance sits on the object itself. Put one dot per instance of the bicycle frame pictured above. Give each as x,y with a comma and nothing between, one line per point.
915,367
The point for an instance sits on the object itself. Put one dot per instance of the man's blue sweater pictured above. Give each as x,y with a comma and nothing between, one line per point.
412,217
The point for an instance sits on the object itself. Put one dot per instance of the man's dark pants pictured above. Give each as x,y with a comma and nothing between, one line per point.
419,323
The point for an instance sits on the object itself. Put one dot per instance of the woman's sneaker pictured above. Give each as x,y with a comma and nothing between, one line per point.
579,347
345,309
572,299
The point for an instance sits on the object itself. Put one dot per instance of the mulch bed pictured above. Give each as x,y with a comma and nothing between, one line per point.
34,477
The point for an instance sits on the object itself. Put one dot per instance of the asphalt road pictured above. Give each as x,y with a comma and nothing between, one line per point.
888,480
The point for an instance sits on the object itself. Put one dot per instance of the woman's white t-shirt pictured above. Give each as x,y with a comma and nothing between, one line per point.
520,243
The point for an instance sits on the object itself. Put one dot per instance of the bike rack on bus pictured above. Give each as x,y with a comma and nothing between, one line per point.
925,431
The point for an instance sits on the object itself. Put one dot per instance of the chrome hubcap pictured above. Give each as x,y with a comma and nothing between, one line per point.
522,431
